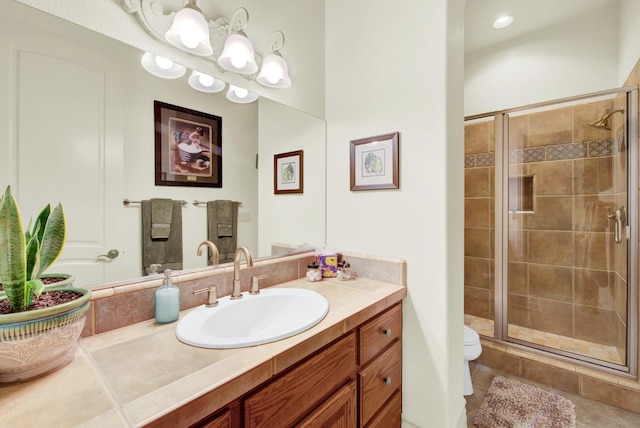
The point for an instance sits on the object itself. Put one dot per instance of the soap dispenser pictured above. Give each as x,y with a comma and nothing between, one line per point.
167,300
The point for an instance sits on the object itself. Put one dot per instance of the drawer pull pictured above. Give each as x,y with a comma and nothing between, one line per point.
387,332
387,380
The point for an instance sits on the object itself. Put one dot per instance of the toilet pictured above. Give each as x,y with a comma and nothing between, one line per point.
472,350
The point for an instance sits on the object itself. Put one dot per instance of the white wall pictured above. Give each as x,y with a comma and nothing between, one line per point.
291,218
401,70
629,36
572,58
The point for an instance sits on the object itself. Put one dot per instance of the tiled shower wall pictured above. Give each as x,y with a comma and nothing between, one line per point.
479,232
566,274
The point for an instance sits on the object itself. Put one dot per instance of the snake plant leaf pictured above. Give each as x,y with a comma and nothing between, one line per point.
39,225
33,236
12,254
53,239
34,287
32,255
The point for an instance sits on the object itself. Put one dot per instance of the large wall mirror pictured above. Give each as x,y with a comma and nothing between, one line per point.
77,126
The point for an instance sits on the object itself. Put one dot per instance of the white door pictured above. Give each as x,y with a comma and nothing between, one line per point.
68,146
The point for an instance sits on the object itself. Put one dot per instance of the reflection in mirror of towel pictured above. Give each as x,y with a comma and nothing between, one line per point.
165,252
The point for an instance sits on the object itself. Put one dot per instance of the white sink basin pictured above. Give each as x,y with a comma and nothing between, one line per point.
272,315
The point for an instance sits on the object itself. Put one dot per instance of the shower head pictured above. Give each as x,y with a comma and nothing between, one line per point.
603,122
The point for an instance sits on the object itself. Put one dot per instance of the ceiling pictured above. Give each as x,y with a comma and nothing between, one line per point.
529,16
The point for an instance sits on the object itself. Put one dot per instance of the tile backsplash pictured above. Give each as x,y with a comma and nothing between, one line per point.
124,303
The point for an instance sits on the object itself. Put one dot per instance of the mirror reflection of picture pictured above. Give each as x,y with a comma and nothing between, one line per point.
288,174
188,147
374,162
192,143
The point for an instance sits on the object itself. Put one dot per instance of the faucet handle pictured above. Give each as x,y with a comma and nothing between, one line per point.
153,269
255,280
212,298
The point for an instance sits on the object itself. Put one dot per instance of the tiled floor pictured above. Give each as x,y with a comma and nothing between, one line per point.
589,413
602,352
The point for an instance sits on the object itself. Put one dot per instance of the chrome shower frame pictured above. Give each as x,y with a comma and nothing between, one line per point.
501,126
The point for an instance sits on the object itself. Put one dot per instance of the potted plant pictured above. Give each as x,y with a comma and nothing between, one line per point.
39,326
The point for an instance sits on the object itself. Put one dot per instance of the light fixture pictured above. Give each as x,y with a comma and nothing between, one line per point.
503,21
205,82
162,67
190,31
274,72
223,42
240,95
238,55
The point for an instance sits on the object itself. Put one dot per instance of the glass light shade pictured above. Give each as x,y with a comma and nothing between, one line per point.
205,83
274,72
237,55
240,95
162,67
190,32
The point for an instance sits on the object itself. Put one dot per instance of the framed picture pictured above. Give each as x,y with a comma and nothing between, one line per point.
288,172
188,147
374,162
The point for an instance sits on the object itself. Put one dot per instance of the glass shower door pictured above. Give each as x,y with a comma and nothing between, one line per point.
565,235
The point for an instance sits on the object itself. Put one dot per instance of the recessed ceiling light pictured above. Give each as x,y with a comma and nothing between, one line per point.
503,21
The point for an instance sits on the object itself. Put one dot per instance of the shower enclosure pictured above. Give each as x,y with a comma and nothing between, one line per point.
550,227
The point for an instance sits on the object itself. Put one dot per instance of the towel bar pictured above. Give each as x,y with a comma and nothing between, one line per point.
126,202
197,202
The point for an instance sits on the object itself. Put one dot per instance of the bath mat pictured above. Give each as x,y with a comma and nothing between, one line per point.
509,403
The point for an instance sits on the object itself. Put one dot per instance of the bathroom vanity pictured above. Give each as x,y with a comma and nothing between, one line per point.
354,381
344,371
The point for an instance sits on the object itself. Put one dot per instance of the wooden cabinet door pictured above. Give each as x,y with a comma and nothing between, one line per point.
285,400
222,421
339,411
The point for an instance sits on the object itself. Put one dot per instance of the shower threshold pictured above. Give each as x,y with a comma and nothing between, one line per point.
598,351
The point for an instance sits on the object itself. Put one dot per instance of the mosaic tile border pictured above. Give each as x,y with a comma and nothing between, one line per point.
591,149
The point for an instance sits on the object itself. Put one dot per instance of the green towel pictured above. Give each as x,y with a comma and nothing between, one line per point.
165,252
161,214
222,227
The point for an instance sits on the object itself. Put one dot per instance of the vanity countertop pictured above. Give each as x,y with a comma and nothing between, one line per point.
136,374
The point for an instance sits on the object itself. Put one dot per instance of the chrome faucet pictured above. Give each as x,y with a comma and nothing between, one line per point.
214,251
236,293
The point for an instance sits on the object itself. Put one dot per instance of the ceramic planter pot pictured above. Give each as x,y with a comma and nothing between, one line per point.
35,343
67,282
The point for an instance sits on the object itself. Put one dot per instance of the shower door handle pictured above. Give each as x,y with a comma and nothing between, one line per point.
617,225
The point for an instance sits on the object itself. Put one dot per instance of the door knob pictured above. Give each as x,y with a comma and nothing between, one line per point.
112,254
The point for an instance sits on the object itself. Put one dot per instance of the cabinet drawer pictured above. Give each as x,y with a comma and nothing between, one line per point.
378,333
391,414
379,380
286,399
